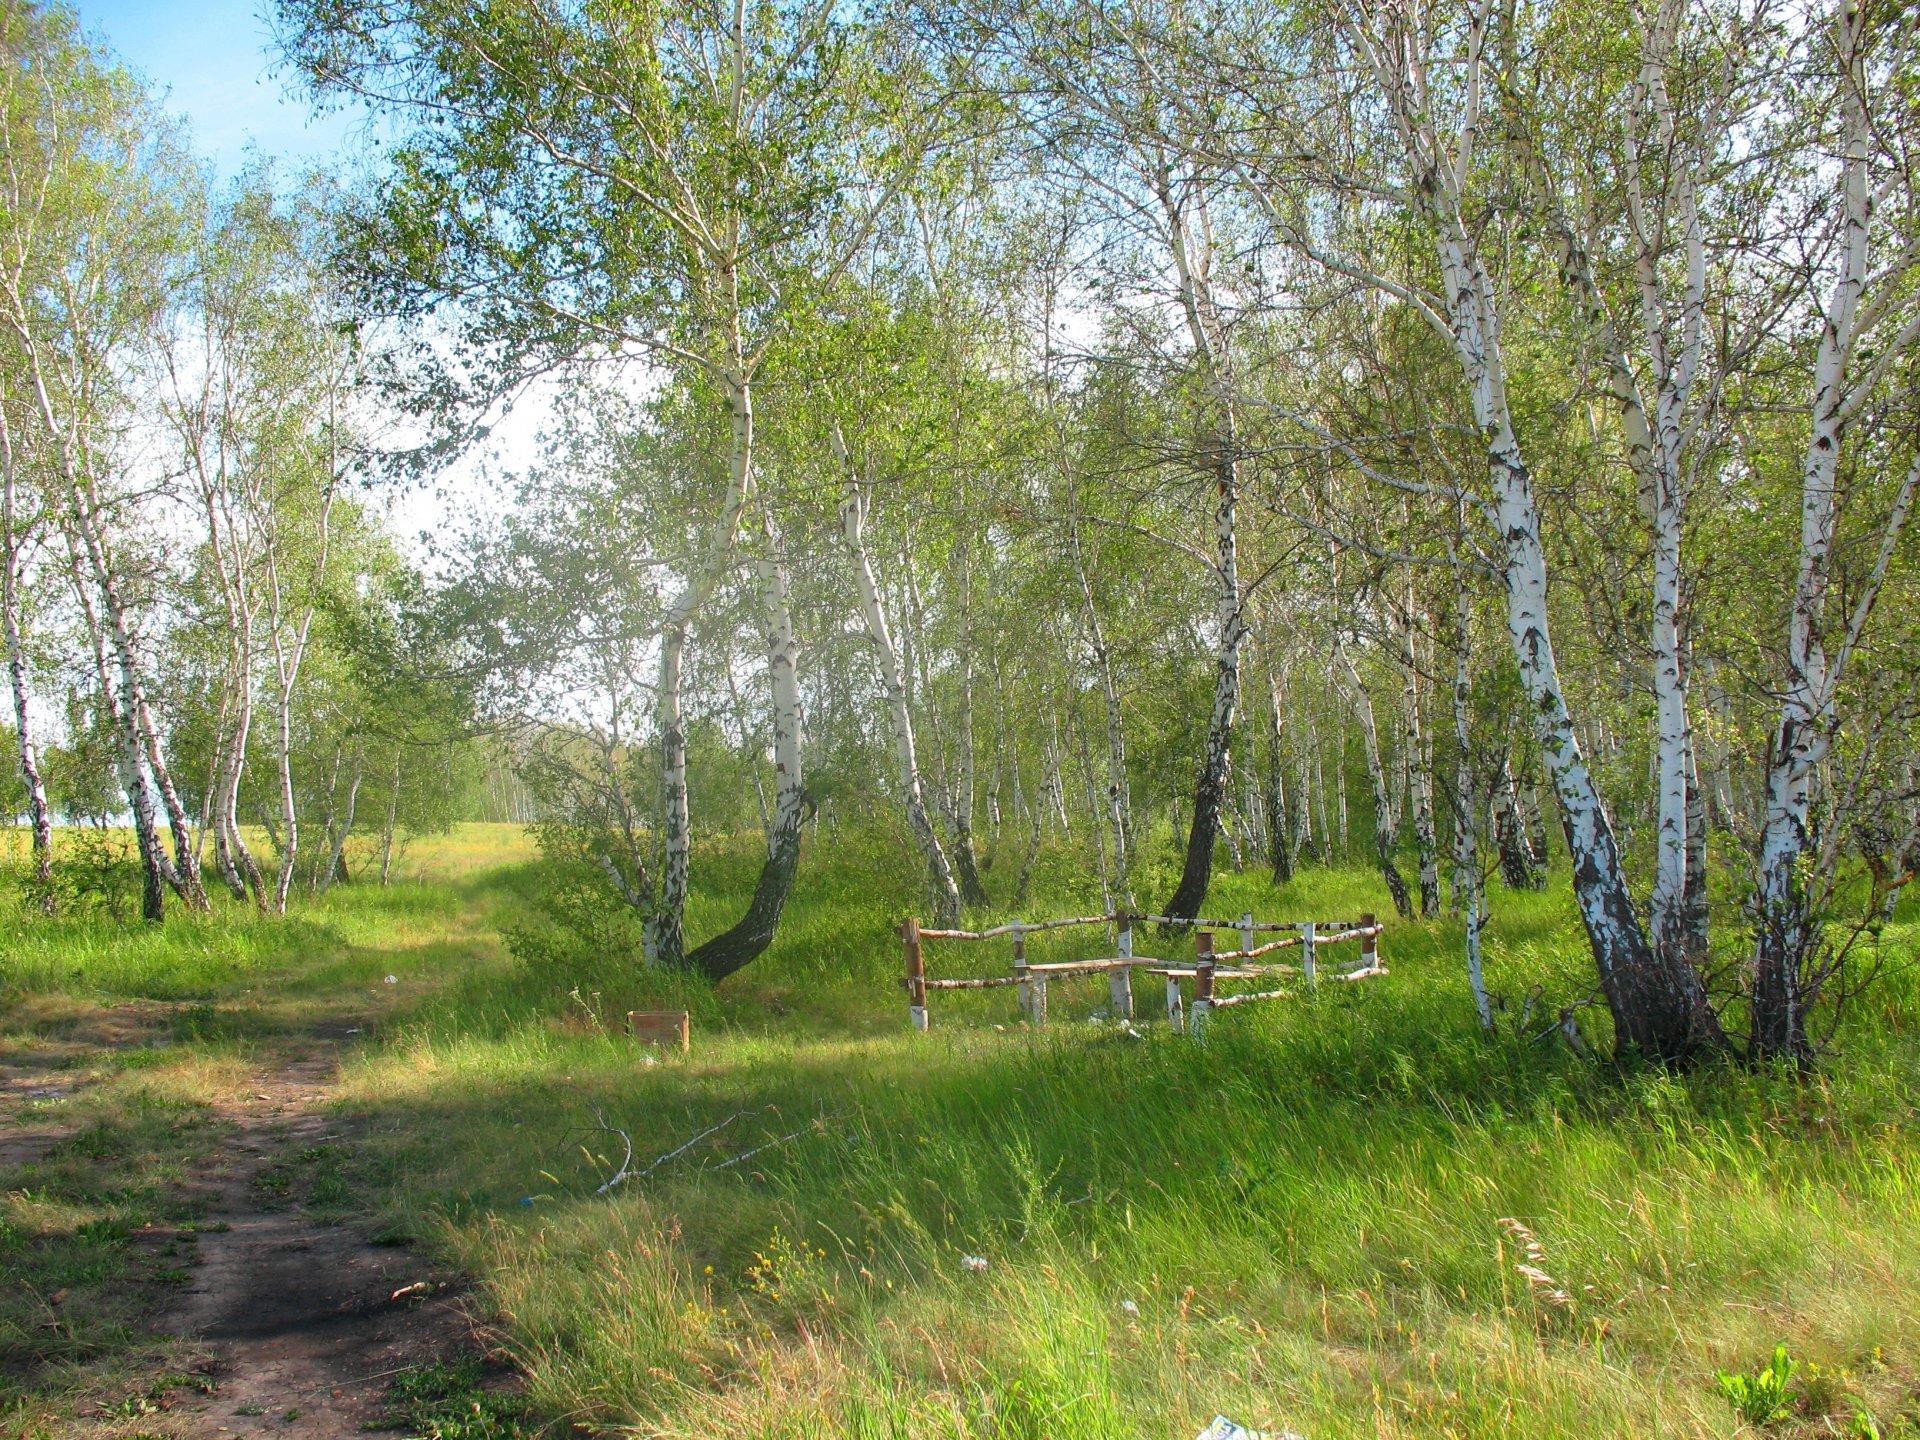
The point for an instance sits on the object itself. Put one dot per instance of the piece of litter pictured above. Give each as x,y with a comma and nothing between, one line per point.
649,1059
418,1287
393,979
1224,1429
1133,1033
973,1262
1127,1307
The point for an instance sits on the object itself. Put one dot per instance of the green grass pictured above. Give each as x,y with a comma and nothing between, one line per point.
1296,1224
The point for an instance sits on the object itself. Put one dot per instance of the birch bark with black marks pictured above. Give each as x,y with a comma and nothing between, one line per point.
1662,172
1468,886
155,871
1119,806
94,568
1862,337
1191,249
966,865
1386,824
1517,868
1419,764
893,681
1280,837
746,941
664,928
336,866
15,534
289,627
1659,1011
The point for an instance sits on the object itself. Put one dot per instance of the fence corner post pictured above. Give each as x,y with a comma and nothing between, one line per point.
1120,978
1202,982
1307,947
1246,931
916,973
1369,943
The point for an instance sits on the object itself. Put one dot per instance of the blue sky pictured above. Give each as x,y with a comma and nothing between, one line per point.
212,61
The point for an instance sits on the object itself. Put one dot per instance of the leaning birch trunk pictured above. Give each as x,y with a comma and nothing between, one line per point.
155,872
733,949
664,931
184,872
86,548
39,812
853,517
1385,822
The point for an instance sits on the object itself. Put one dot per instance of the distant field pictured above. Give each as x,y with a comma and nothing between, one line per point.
1298,1224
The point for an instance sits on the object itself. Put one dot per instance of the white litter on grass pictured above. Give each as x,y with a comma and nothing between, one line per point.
393,979
649,1060
1224,1429
1127,1307
973,1262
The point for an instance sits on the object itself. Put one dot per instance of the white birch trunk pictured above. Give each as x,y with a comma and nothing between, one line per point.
1386,824
337,856
1192,256
14,535
853,515
1468,886
665,925
746,941
1419,766
972,892
1119,797
1785,981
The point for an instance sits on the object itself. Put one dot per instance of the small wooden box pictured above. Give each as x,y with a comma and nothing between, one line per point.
660,1027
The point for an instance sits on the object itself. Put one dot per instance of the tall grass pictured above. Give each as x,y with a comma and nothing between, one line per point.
1297,1223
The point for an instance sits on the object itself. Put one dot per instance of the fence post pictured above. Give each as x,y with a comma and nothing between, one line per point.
916,973
1369,944
1246,930
1307,948
1120,978
1033,988
1202,982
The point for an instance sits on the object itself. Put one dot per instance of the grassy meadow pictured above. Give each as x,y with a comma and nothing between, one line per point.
1315,1222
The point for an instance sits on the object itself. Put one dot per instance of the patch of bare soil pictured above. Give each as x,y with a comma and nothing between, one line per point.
304,1322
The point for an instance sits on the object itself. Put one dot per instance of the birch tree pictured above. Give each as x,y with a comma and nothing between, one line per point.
19,527
589,187
1430,76
88,227
1868,327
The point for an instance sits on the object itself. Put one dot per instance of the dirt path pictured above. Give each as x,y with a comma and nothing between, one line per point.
306,1322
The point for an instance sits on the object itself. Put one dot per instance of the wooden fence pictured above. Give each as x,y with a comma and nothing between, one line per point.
1207,969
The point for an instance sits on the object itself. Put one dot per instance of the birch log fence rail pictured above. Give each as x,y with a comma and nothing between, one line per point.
1205,971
